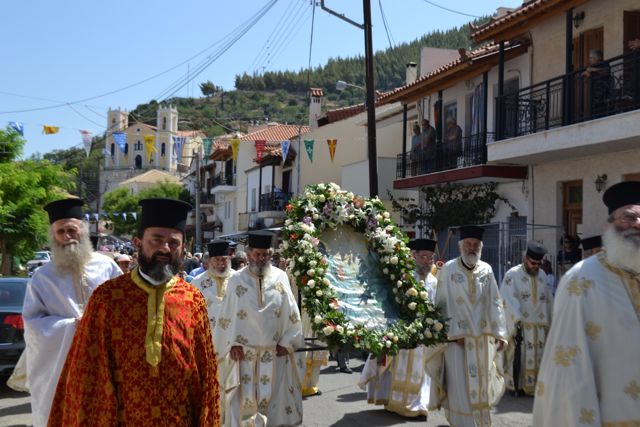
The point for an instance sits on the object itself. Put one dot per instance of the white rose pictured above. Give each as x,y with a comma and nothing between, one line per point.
339,329
321,187
349,195
300,259
316,217
397,300
438,326
386,214
328,330
287,222
388,344
394,260
386,271
392,277
326,281
318,293
290,228
320,271
313,263
412,306
317,319
395,339
379,217
297,273
390,334
429,321
321,198
395,290
424,295
311,273
356,345
399,283
411,292
308,251
311,283
285,245
428,334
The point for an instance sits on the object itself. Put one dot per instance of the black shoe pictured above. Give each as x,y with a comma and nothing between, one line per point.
346,370
319,393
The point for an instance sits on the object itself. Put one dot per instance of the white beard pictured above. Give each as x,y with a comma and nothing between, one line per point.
471,259
71,258
259,270
224,274
622,251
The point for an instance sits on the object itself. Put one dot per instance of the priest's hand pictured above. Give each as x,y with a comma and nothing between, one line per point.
500,345
236,353
281,351
460,342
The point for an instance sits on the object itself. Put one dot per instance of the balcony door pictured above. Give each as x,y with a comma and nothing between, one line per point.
582,45
572,207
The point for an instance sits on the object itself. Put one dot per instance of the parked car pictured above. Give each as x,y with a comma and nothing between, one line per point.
12,290
40,258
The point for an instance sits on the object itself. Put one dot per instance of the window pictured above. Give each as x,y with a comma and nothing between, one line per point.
126,149
163,149
138,146
164,123
138,161
113,149
253,200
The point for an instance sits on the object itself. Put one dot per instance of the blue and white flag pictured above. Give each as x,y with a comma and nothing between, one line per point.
106,152
18,127
178,143
284,146
96,216
120,138
87,217
124,216
134,215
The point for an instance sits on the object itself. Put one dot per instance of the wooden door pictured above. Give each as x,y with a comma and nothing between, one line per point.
572,206
582,45
631,29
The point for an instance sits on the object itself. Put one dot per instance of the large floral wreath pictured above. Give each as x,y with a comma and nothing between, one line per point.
326,205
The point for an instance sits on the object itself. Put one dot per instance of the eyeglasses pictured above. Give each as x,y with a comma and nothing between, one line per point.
534,263
628,218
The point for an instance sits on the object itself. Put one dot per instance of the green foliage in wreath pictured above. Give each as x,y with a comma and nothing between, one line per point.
326,205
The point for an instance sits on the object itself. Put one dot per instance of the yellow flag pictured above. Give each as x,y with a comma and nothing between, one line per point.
235,144
332,147
50,130
150,145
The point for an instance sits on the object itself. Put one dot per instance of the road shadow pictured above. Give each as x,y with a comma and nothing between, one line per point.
22,409
335,370
376,417
520,404
352,397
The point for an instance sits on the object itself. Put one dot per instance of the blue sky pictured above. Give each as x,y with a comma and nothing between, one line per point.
70,50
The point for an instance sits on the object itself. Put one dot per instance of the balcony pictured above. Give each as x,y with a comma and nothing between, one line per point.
272,204
572,115
222,183
464,160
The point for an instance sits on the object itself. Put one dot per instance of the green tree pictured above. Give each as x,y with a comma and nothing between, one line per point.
25,187
121,200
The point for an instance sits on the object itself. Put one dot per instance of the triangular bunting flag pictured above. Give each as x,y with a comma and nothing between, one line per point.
86,140
235,144
96,216
284,146
87,217
207,143
50,130
260,149
18,127
124,216
120,138
150,145
134,215
308,146
332,147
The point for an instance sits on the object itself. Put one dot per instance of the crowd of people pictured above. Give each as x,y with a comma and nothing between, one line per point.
132,342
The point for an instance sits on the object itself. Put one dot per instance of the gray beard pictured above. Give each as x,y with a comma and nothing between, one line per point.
471,259
258,270
622,251
224,274
73,258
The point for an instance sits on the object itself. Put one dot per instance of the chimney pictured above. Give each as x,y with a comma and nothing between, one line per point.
412,72
315,106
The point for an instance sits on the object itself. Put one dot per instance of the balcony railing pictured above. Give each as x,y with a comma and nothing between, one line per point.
274,201
613,87
222,179
469,151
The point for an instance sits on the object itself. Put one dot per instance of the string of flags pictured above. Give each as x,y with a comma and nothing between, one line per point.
126,216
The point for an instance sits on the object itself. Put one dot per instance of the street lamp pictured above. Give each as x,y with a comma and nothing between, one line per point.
342,85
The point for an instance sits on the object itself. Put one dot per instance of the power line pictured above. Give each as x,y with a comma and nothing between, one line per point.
386,26
293,30
450,10
276,28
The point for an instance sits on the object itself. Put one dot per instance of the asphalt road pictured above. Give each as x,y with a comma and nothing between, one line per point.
342,404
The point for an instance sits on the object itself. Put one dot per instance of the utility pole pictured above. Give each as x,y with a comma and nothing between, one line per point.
198,245
370,103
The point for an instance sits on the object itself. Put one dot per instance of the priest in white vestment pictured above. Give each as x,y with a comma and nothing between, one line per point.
401,383
257,331
529,304
466,374
213,285
55,299
590,373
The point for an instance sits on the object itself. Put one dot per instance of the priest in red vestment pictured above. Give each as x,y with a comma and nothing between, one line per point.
143,353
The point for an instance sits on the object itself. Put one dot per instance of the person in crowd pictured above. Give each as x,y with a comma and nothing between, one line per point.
529,305
143,353
429,146
124,262
203,267
190,263
257,331
547,267
589,373
569,254
452,142
56,299
598,75
415,157
400,382
591,246
238,260
465,378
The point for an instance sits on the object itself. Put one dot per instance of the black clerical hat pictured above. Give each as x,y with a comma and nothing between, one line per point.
422,245
65,208
471,232
218,248
260,239
165,213
535,251
591,242
622,194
